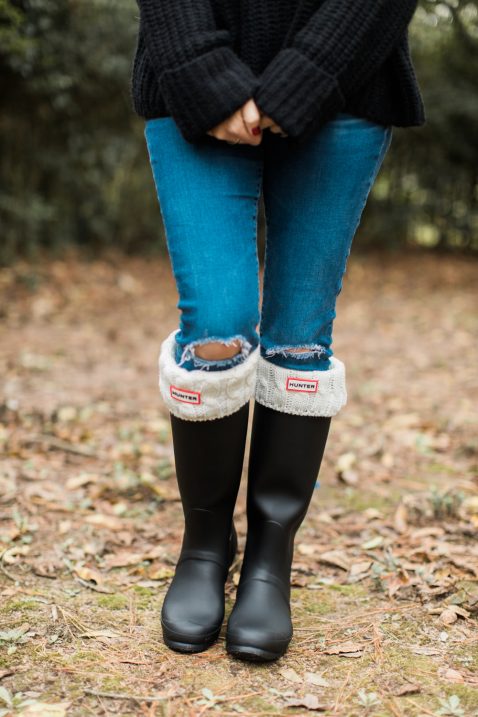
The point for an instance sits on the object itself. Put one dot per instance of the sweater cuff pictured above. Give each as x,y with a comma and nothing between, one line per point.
297,93
207,90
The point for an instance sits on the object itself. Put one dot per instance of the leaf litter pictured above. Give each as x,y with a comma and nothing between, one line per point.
385,573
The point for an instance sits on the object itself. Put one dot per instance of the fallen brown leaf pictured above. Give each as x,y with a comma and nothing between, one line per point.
350,649
290,674
335,557
105,521
89,574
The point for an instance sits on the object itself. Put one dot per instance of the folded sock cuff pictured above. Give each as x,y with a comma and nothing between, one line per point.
304,393
200,395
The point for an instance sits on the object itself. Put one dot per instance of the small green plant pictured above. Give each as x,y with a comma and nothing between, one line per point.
17,704
14,637
375,573
210,699
447,504
12,702
451,706
369,700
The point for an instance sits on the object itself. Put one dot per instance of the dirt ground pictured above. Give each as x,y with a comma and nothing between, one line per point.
385,574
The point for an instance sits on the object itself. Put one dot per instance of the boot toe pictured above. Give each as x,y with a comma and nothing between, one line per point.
259,627
193,609
183,633
188,636
255,645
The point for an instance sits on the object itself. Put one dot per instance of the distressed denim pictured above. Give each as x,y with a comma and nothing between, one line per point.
314,194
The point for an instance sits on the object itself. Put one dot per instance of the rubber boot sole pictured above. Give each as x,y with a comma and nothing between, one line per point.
254,654
182,643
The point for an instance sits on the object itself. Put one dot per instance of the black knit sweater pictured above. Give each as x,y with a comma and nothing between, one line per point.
301,60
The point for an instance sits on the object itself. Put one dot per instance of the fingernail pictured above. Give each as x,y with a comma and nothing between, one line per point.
256,130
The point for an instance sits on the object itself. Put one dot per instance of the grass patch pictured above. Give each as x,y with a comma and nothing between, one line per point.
113,602
141,591
113,684
22,605
360,499
329,600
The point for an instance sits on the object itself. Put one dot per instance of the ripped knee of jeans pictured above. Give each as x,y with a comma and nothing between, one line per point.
300,352
189,355
307,357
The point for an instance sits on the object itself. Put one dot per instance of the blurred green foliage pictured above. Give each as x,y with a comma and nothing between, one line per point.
73,161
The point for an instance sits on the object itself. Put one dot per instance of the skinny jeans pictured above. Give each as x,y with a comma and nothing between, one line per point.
314,193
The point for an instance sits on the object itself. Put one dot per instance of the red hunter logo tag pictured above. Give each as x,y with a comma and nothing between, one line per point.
304,385
184,395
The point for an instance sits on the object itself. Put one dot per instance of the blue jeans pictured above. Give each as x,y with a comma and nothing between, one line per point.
314,194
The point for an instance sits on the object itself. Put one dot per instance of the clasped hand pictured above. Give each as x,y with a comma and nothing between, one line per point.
245,126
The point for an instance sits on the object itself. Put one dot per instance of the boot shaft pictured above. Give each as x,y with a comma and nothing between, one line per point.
209,458
285,458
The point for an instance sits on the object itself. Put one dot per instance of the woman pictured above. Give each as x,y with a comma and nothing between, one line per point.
296,100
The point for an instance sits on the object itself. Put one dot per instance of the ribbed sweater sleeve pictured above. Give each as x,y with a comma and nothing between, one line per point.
338,50
201,78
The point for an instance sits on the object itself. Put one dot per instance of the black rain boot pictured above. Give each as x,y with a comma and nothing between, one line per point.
285,457
209,458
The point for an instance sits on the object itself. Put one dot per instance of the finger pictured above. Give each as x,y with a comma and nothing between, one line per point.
266,121
228,136
218,132
233,129
236,128
239,128
277,129
250,113
225,136
251,117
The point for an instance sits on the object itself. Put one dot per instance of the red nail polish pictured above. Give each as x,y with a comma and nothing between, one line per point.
256,130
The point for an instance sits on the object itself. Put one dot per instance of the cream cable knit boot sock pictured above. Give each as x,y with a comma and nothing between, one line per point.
200,395
304,393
